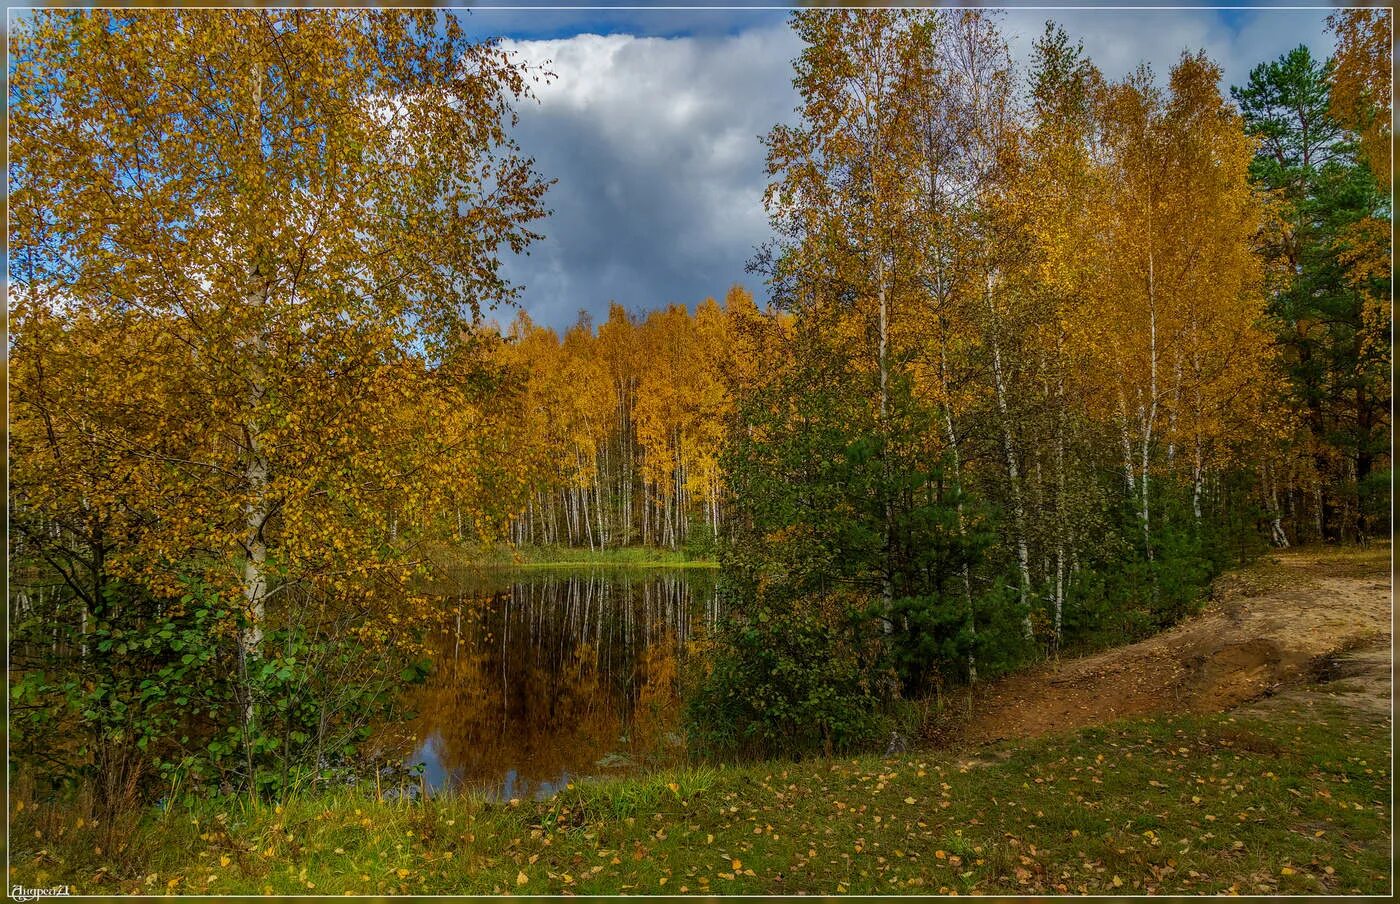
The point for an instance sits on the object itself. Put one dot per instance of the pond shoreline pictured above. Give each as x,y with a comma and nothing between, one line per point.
451,556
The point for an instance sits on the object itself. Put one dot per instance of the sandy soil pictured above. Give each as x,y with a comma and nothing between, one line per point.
1304,617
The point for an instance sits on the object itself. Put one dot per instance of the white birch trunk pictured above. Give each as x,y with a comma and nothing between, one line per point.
887,576
1196,482
1062,514
1013,471
255,470
1130,476
1149,411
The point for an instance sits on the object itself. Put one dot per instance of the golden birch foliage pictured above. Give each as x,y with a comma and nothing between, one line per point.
709,399
1362,97
532,354
639,406
622,356
589,414
274,230
753,338
1061,186
1362,78
841,194
1174,333
1220,360
663,415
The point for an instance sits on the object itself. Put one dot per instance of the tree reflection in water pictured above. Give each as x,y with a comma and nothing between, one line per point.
540,677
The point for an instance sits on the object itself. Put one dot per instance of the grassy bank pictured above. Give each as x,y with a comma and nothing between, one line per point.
1294,804
555,556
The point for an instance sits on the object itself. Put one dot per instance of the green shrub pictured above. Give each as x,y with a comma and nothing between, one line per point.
787,681
155,698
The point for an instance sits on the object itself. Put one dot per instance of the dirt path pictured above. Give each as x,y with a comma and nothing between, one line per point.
1295,617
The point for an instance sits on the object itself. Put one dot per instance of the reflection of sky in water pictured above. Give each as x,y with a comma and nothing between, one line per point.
435,774
438,777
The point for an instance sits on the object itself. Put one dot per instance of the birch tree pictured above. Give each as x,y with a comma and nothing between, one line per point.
303,211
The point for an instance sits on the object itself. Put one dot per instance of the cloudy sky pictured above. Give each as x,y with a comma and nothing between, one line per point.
652,128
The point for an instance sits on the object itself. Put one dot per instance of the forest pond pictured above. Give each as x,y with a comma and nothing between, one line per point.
541,676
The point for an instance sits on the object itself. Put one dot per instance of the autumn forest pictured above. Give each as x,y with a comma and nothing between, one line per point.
1034,363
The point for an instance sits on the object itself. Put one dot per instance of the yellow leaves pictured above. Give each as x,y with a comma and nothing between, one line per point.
1361,82
521,878
224,860
247,320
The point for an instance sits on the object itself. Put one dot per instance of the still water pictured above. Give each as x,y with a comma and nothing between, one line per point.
541,676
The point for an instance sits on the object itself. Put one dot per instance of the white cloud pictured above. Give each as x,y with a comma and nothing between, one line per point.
655,141
1118,40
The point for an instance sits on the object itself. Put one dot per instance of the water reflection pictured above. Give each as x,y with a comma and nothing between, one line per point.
539,676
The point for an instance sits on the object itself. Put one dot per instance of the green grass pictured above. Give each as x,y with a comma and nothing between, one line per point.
554,556
1294,804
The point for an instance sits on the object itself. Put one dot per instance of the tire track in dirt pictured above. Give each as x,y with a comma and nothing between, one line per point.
1294,617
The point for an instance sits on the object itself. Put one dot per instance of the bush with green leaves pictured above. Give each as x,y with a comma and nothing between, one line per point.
789,679
145,697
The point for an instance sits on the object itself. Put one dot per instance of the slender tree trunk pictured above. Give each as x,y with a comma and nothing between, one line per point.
583,516
966,571
1277,534
1149,419
1061,513
255,477
1364,457
255,467
1129,475
598,505
887,577
1196,479
1013,471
